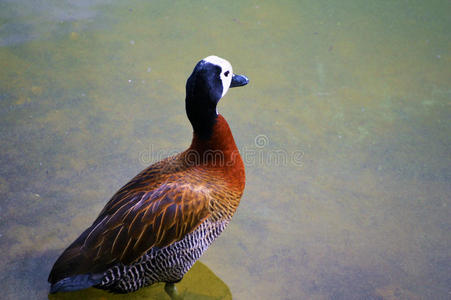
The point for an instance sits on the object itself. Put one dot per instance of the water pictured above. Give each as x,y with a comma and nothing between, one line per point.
345,130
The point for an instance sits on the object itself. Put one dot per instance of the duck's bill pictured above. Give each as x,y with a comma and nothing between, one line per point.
239,80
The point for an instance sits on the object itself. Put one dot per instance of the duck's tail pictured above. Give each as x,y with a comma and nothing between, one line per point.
76,282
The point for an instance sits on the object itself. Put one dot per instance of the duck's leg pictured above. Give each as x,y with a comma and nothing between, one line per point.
171,290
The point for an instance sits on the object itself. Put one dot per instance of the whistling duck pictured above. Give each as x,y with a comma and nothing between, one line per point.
156,226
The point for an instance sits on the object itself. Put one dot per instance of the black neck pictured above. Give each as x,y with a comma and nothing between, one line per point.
203,91
202,118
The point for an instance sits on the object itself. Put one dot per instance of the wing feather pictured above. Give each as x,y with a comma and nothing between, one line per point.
131,224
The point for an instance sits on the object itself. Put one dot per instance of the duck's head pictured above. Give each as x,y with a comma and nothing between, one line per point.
211,79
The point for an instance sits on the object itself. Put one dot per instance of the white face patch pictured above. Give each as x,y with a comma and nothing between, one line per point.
226,71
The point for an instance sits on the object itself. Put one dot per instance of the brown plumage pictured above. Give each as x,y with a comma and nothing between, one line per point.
159,207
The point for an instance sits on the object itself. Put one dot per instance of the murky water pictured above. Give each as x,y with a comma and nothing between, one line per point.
345,129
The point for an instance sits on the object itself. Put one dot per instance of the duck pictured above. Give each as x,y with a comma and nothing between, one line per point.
157,226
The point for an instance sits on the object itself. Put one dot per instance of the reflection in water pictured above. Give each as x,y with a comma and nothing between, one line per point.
360,88
199,283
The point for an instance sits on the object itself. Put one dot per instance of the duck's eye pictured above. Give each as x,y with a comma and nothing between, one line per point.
226,73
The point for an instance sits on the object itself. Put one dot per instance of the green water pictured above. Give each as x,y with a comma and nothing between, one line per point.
345,129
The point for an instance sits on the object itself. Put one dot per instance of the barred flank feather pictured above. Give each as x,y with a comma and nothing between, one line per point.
168,264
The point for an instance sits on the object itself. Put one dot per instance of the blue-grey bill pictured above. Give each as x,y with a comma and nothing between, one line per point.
239,80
